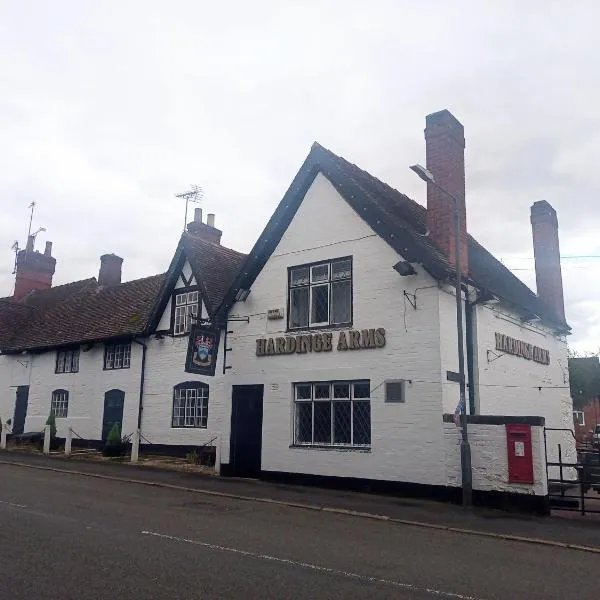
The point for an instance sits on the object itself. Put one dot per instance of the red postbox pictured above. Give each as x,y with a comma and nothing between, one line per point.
520,457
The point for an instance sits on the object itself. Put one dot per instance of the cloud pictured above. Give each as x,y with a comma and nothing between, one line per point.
109,109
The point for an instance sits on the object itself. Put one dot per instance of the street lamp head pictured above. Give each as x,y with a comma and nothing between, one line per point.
424,173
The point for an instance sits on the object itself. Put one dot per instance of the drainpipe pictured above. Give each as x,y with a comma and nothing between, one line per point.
470,308
135,447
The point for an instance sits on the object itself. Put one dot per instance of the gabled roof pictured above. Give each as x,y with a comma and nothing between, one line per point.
398,220
215,267
78,312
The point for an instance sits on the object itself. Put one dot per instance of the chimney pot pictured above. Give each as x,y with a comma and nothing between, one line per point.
34,270
48,249
110,269
197,215
30,243
445,151
210,220
546,251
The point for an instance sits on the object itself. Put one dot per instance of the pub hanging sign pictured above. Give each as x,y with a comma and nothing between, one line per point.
203,347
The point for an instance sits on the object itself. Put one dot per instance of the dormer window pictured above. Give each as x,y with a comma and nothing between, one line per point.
185,311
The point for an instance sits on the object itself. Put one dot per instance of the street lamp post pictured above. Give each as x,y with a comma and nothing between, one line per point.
465,448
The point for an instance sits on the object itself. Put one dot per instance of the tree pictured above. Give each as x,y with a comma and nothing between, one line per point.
584,379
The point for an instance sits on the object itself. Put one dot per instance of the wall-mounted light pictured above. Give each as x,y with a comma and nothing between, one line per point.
404,268
241,295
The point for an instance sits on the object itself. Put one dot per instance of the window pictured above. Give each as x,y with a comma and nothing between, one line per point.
395,390
190,405
578,418
185,312
60,403
320,294
117,356
67,361
333,414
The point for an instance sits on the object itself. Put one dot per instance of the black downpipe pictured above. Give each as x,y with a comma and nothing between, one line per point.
470,308
142,377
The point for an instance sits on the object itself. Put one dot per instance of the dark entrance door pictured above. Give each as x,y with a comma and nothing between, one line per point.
113,411
20,409
246,430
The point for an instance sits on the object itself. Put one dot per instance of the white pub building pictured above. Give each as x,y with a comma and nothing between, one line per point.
337,357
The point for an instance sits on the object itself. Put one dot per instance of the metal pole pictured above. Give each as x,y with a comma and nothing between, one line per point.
465,447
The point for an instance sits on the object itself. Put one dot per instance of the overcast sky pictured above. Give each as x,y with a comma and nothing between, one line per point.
107,109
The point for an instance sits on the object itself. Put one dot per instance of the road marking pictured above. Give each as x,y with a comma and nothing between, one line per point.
12,504
313,567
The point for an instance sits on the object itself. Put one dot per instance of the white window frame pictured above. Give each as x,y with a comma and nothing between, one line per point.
67,361
186,311
332,401
190,405
59,404
117,356
579,418
312,284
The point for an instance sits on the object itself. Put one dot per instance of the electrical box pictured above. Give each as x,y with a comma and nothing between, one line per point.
520,456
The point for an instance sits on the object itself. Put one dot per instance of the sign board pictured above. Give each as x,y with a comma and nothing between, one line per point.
321,342
522,349
203,348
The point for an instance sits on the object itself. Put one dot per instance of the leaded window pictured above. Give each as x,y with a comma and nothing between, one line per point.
320,294
59,404
332,413
190,405
117,356
67,361
185,313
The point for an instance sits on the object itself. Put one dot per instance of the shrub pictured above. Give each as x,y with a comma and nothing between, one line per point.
114,445
51,420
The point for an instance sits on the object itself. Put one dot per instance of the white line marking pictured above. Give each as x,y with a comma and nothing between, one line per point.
12,504
313,567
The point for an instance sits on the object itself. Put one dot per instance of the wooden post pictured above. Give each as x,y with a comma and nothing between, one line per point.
135,446
3,437
68,442
47,440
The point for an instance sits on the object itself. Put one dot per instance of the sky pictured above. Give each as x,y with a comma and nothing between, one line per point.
108,109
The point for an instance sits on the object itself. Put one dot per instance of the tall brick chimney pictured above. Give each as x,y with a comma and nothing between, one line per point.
206,231
110,269
548,276
445,152
34,270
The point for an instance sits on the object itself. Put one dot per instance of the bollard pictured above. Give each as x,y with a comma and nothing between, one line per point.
3,438
218,455
135,446
68,442
47,439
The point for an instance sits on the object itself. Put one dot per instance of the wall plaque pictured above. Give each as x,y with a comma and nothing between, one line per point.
321,342
523,349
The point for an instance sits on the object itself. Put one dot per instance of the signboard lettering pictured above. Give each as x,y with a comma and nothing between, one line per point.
523,349
321,342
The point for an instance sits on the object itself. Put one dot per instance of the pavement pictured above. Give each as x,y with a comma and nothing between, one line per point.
69,536
567,528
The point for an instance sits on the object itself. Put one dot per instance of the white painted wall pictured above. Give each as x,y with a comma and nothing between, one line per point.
510,385
86,392
165,363
490,459
15,370
407,439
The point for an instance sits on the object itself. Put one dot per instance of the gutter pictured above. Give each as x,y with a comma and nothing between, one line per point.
142,378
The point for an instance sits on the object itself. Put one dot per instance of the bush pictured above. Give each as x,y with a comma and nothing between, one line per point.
51,420
114,446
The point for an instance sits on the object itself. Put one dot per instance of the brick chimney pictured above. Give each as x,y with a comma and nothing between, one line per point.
110,269
34,270
445,151
548,276
205,231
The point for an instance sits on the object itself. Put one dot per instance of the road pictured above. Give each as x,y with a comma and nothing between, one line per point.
72,537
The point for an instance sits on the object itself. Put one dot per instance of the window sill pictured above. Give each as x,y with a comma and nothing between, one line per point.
336,448
336,327
187,427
